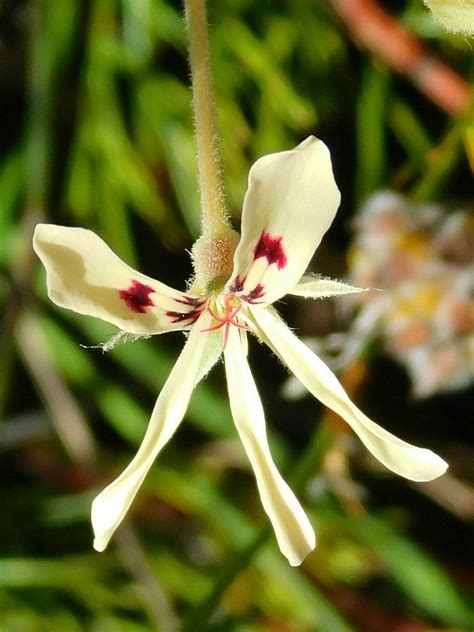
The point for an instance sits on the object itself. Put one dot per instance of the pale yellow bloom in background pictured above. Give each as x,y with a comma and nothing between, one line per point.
454,15
422,257
290,203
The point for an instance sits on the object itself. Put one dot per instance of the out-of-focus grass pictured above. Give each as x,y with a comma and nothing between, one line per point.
100,135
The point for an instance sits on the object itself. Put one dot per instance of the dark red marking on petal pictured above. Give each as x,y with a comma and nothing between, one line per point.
257,292
137,297
238,284
181,317
191,300
270,248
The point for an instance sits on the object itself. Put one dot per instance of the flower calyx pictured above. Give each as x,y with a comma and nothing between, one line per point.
213,260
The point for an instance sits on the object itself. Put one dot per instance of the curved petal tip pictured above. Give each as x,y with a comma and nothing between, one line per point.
100,544
296,558
430,466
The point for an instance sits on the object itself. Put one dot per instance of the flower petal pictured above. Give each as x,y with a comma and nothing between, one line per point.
111,505
86,276
416,464
290,203
212,351
292,528
313,286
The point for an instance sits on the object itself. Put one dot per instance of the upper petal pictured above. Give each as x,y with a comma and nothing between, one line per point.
416,464
111,505
290,203
86,276
292,528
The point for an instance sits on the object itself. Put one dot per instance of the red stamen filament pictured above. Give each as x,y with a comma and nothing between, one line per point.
226,320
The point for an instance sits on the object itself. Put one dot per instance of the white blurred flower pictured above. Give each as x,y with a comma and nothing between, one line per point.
454,15
424,262
290,203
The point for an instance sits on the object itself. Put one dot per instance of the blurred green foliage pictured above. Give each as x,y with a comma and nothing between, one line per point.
98,133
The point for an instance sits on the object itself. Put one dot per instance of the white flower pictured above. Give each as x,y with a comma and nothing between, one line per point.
454,15
290,203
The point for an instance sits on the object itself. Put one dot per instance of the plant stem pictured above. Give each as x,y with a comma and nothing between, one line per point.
214,217
387,38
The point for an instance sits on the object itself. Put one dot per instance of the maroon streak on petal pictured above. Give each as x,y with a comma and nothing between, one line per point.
191,300
181,317
257,292
137,297
271,248
237,285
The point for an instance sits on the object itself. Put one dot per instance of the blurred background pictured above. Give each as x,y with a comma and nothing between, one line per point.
97,132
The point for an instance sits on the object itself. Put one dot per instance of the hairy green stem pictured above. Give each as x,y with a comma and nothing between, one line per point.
214,217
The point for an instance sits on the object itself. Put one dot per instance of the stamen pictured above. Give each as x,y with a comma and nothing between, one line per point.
241,326
221,319
228,319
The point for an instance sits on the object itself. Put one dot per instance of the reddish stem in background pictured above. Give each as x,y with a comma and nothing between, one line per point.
384,36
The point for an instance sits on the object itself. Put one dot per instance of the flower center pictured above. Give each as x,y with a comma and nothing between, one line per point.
225,313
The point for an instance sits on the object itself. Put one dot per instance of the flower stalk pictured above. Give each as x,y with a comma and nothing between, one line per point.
213,252
214,216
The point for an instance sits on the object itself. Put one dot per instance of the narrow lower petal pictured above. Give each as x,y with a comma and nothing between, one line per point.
292,528
212,350
312,286
290,203
416,464
111,505
86,276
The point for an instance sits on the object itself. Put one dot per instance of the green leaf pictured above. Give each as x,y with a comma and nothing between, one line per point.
372,160
410,132
415,572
